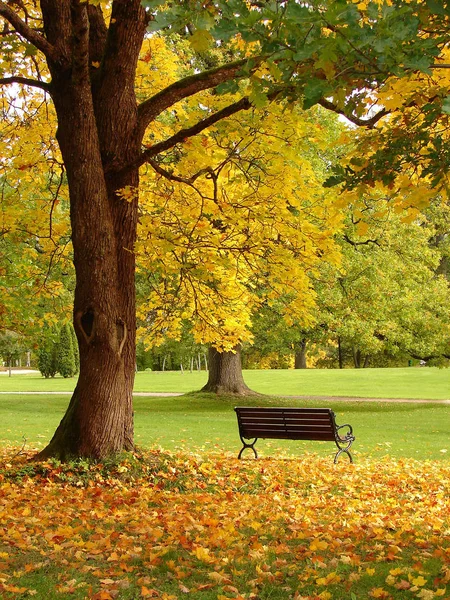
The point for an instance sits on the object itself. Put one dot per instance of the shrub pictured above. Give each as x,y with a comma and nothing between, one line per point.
66,354
47,358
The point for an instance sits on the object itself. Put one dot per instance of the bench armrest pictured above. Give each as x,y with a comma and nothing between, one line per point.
348,435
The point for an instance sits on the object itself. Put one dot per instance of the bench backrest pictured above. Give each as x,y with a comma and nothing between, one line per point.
286,423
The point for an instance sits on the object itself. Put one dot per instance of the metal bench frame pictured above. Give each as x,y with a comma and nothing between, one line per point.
292,424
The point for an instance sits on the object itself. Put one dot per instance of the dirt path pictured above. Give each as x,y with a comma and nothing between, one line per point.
358,399
328,398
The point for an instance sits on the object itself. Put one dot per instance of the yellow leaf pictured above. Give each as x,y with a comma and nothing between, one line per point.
203,554
201,40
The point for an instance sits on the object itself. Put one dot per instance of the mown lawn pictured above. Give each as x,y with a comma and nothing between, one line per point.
203,421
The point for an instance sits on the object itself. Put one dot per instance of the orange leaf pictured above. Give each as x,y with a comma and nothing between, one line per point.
148,593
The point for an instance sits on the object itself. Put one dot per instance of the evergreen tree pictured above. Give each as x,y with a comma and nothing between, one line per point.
47,357
66,355
76,350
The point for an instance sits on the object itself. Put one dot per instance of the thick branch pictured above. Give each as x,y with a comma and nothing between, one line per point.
172,177
97,33
80,43
186,87
115,79
27,32
370,122
25,81
180,136
365,243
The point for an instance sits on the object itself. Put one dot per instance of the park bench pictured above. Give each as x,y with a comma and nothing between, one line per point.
292,424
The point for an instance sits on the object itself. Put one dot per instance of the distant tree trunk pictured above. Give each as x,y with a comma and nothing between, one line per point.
340,356
357,358
225,373
300,355
366,361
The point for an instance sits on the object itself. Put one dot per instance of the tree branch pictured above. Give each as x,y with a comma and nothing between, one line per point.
370,122
119,46
25,81
27,32
180,136
97,33
172,177
186,87
355,244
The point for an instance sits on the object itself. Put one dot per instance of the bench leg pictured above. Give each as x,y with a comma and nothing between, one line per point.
341,450
252,446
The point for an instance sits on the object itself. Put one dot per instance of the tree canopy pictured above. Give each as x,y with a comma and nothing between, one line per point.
115,107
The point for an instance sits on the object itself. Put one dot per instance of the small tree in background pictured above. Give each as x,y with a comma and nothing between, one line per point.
66,360
47,352
11,347
47,358
76,351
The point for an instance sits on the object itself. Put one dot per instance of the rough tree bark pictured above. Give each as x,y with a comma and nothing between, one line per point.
340,354
98,137
225,373
300,355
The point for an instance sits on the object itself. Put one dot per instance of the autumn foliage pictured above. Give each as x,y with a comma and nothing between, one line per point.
208,526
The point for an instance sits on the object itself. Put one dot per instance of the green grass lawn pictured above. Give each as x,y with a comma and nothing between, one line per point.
428,383
204,422
198,522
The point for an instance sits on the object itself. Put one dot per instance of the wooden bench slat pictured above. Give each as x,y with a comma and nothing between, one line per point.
311,422
288,435
275,409
286,427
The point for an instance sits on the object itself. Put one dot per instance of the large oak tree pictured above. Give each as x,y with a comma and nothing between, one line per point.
84,56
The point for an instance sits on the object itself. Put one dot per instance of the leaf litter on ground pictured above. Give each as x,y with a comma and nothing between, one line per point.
171,525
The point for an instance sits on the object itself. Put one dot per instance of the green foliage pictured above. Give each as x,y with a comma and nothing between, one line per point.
76,350
11,346
58,352
66,352
47,355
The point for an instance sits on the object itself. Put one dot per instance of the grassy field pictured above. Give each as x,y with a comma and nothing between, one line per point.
202,421
428,383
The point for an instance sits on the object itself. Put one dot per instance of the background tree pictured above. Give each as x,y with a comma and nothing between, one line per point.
66,361
251,228
47,355
388,300
12,345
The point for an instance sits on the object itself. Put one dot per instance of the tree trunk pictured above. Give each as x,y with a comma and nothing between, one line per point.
300,355
225,373
340,354
357,358
97,135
